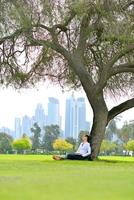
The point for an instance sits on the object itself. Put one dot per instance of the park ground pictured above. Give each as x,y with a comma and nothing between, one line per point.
38,177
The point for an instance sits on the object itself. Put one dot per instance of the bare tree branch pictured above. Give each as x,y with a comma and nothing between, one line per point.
127,67
16,33
120,54
122,68
120,108
63,26
83,34
43,26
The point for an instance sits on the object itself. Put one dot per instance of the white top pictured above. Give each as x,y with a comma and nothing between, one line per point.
84,149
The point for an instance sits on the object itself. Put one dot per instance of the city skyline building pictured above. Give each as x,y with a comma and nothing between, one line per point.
7,131
18,128
26,125
39,117
80,115
70,119
75,117
53,116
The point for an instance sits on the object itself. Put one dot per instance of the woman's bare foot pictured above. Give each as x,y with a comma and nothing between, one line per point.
57,158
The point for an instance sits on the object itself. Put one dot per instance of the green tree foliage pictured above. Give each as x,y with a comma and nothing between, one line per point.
123,135
71,141
131,125
130,145
51,133
126,133
107,147
36,130
22,144
5,143
62,145
112,129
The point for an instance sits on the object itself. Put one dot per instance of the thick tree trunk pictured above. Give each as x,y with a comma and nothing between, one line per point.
97,102
99,125
98,132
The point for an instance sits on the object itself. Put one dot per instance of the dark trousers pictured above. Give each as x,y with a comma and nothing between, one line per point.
76,157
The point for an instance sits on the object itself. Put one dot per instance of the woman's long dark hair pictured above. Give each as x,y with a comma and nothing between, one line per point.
88,138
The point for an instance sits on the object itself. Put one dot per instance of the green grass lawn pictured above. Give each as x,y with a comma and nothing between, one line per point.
31,177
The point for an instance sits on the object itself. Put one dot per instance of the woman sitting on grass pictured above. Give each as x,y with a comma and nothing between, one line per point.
82,153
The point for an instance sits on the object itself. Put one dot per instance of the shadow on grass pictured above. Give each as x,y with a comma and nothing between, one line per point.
114,161
81,162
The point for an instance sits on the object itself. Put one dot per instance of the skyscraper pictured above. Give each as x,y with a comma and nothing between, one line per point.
88,126
53,112
81,115
26,125
39,117
17,128
70,118
8,131
75,117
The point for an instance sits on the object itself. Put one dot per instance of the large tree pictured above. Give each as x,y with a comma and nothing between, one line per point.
111,130
22,144
36,130
71,141
126,133
88,43
5,143
51,133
